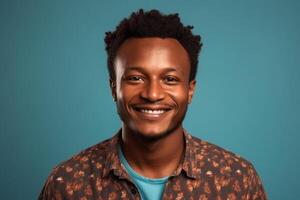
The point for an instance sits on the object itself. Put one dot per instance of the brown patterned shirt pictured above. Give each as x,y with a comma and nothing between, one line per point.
207,172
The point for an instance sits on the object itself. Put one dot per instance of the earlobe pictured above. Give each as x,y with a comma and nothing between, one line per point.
192,85
112,84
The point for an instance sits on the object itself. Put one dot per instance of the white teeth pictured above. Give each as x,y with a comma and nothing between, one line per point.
153,111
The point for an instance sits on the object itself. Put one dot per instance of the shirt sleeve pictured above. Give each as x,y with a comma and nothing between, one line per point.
50,191
256,190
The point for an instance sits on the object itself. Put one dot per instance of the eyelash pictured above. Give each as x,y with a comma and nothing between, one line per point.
170,80
134,78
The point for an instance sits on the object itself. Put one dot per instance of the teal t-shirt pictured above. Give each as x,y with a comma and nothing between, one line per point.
149,188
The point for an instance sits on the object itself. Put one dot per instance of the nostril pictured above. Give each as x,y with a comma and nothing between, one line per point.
153,92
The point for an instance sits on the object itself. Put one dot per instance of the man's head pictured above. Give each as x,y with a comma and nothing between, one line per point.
152,62
153,24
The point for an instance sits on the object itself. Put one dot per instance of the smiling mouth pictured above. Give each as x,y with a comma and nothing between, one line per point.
152,110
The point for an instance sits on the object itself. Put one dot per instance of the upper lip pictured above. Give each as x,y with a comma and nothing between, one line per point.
152,106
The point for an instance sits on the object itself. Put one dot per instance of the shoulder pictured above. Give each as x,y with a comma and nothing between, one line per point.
82,167
223,171
81,164
74,175
215,160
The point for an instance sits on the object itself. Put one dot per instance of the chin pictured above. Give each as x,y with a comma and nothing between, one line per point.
153,134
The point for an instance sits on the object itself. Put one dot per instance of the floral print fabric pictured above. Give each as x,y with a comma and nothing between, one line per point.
206,172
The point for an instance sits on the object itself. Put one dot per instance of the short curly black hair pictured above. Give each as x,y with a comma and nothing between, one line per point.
153,23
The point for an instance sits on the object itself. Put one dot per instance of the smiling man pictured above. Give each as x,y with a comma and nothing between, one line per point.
152,63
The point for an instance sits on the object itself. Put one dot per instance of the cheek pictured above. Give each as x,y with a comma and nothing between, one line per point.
127,93
179,95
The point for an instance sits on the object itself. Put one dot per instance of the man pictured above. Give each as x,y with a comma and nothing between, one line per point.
152,62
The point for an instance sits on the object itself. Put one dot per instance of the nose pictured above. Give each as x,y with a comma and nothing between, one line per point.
153,91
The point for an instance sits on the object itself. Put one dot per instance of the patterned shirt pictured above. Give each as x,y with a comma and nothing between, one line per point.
206,172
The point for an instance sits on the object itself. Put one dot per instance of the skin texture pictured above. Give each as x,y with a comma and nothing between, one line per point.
152,91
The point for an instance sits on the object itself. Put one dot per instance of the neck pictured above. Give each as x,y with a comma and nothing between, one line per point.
153,158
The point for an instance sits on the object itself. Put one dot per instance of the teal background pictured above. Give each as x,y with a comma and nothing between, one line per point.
55,98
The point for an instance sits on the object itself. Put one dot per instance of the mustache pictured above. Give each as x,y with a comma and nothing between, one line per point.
153,105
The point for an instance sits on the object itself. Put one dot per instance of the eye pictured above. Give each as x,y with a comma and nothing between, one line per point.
171,80
135,79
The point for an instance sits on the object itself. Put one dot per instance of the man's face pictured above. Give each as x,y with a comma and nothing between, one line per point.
152,87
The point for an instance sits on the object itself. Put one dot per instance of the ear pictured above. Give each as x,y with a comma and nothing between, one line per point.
112,84
192,85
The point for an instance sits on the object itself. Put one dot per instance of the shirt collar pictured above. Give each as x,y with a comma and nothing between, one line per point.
113,164
188,163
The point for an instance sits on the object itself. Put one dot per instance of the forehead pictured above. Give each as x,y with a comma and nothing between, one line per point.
153,52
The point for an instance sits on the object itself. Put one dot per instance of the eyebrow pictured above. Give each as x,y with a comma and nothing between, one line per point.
134,68
141,69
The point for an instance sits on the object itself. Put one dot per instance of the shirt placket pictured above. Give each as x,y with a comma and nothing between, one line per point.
129,185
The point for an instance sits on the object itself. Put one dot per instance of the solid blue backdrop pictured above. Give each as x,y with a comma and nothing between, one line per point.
55,98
